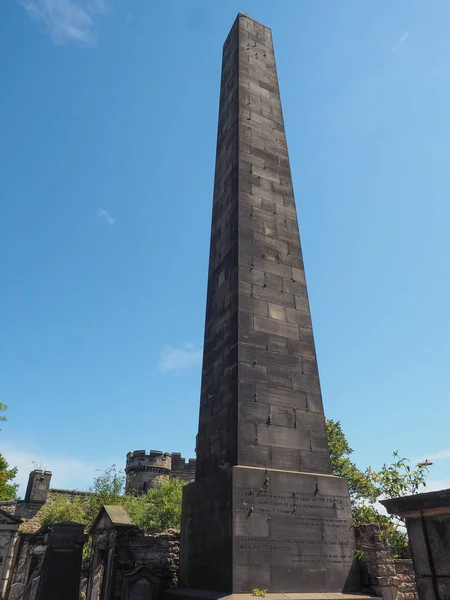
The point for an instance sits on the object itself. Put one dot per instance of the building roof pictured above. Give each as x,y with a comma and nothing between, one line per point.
418,502
117,516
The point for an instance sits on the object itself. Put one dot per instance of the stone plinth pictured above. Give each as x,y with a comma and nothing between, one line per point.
427,519
258,528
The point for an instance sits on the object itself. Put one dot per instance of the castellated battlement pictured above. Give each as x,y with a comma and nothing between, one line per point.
182,468
155,460
144,471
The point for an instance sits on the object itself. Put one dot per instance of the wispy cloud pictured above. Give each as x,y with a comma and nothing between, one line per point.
401,41
68,472
441,455
436,485
104,214
67,21
179,359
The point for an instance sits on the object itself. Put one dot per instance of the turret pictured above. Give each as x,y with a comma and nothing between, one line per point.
145,471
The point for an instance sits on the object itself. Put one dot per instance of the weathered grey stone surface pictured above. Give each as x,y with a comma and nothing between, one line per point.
125,562
27,565
9,526
264,510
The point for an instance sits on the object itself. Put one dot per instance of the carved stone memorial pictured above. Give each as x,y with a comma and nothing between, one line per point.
61,570
264,510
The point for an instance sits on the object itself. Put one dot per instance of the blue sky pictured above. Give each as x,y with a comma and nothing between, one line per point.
108,117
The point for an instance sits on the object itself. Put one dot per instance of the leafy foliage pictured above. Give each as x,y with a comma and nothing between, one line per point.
158,509
107,488
400,478
61,508
3,408
361,485
8,489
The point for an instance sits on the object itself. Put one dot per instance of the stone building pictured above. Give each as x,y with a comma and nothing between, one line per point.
22,540
37,494
145,471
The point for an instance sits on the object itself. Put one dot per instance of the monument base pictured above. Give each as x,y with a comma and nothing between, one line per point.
283,531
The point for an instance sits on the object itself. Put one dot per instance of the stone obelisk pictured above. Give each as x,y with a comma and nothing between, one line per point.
264,510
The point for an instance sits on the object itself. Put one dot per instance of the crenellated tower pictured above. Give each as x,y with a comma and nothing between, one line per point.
145,471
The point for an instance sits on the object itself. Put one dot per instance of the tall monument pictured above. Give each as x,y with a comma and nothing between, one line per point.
264,510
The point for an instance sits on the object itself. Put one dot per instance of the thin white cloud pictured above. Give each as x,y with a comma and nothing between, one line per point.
67,21
401,41
436,485
441,455
68,472
179,359
104,214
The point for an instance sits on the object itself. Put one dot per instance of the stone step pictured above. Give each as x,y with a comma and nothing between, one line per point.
184,594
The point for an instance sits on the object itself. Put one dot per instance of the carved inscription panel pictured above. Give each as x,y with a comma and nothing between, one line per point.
141,589
290,503
287,530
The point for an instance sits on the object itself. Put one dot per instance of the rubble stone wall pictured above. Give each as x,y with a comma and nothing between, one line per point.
381,574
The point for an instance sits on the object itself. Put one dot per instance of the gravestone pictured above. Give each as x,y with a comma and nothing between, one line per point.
140,590
427,518
140,584
265,510
61,571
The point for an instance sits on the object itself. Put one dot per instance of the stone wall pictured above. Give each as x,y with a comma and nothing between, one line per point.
381,574
406,579
159,552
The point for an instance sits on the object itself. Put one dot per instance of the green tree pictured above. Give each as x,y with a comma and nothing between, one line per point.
400,478
107,488
3,408
8,489
158,509
361,485
62,507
